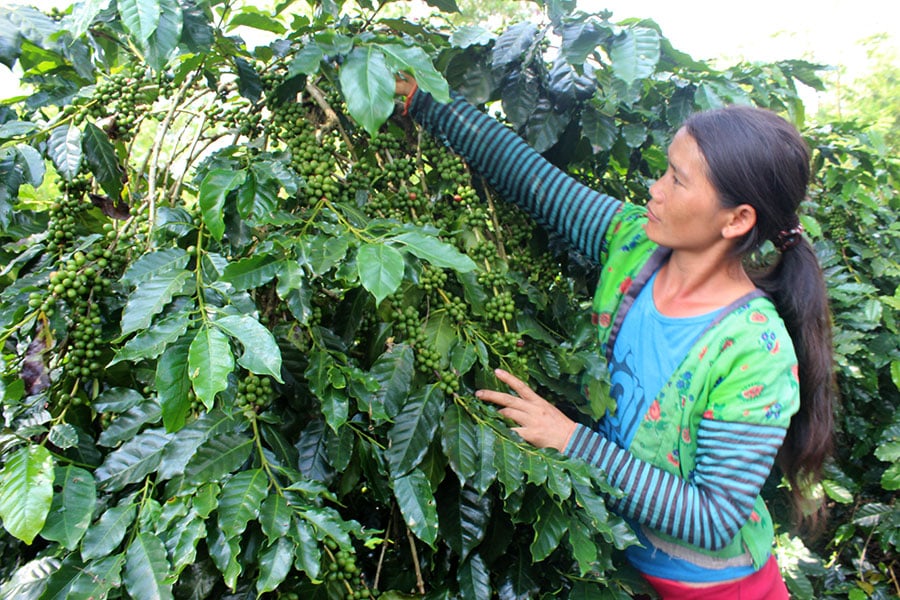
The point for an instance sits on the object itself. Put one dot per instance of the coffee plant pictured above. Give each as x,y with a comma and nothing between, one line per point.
245,303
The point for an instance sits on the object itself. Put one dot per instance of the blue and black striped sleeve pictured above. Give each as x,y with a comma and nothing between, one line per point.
518,173
732,463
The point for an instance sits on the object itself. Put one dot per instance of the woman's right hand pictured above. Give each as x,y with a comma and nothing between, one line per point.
405,84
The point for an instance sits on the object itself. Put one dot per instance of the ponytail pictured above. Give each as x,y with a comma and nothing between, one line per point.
755,157
797,287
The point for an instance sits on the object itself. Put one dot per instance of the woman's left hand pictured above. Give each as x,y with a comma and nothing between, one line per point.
540,423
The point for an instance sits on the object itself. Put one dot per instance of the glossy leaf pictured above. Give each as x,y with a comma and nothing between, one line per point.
635,53
150,343
64,148
209,362
102,159
274,565
26,491
129,423
474,578
107,533
275,517
368,87
458,440
260,354
435,251
146,568
155,263
72,507
141,17
464,519
218,456
252,272
413,430
394,371
549,529
213,190
173,383
380,269
98,578
134,460
417,505
150,298
240,500
165,38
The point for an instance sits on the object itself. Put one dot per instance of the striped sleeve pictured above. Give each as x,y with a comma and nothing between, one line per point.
732,463
518,173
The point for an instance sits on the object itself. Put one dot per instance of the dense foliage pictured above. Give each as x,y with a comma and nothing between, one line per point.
245,304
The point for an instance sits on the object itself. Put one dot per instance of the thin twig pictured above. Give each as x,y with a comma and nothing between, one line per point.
420,582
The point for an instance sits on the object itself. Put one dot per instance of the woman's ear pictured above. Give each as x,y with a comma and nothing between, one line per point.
740,222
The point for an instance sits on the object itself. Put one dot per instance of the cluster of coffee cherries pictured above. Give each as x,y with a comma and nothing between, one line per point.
254,394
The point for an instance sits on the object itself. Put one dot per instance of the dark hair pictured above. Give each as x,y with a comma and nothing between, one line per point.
755,157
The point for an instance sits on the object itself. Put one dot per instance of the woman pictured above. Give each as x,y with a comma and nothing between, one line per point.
716,371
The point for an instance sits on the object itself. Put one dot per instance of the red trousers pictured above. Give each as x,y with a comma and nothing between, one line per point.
765,584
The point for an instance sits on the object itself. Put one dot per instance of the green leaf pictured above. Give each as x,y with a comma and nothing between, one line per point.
63,436
133,461
414,60
141,17
31,163
485,471
252,272
464,520
635,54
446,6
306,61
368,87
64,149
275,517
83,14
173,384
209,363
213,190
261,353
438,253
150,343
98,578
218,456
394,372
224,553
470,35
274,564
146,568
72,507
549,528
508,461
380,269
416,501
306,548
240,500
413,430
103,161
26,491
181,543
164,40
458,440
107,533
150,298
474,578
890,479
155,263
128,424
253,17
583,547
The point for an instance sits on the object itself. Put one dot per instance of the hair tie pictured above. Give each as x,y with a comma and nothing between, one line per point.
788,238
409,98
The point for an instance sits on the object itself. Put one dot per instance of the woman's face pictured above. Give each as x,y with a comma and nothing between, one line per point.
684,212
